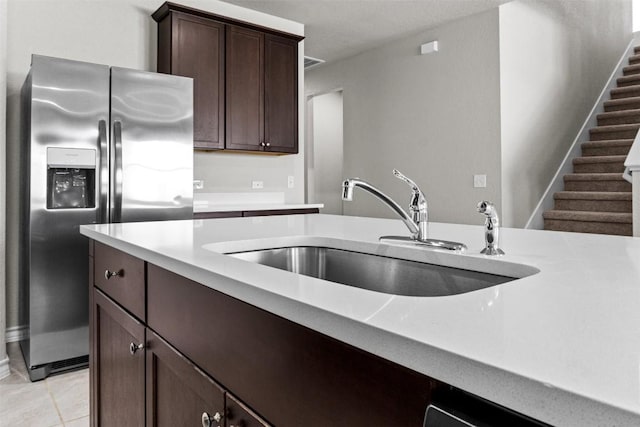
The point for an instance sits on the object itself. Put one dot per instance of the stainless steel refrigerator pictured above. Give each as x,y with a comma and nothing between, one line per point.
100,144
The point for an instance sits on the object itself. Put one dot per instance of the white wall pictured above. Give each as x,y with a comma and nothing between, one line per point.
555,57
434,117
324,158
122,33
505,96
4,361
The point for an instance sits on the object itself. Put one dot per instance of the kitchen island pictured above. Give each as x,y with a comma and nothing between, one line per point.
560,345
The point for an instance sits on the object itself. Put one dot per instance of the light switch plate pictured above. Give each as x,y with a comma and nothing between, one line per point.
257,185
479,181
290,182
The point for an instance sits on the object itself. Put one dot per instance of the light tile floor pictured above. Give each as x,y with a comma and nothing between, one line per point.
58,401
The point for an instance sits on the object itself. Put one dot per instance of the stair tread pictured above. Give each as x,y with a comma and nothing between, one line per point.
621,113
594,177
629,68
623,101
608,143
587,216
634,59
593,195
599,159
631,88
615,128
630,78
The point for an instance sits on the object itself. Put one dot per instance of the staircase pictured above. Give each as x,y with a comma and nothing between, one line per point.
596,199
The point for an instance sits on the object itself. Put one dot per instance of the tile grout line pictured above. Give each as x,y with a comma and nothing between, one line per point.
77,419
55,404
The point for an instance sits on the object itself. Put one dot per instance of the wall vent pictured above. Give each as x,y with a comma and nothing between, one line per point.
310,62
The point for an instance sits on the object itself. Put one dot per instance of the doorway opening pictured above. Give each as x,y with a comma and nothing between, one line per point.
325,151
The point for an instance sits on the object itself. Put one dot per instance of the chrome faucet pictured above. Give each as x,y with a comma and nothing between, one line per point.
418,220
491,228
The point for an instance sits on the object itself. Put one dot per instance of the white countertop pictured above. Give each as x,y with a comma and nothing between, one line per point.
255,207
256,201
562,345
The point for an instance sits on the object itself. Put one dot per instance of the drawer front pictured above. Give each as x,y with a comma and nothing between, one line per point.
121,276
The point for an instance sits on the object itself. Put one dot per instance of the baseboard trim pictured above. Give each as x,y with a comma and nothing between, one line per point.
16,333
4,368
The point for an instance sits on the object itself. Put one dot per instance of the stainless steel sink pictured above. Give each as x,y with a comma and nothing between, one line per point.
373,272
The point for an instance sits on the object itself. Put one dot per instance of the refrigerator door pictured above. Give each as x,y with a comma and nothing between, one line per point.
151,146
65,120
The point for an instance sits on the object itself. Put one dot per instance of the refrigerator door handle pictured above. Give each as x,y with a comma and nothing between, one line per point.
117,172
104,171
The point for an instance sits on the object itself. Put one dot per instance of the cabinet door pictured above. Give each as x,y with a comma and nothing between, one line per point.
118,381
281,94
238,415
178,393
244,89
198,52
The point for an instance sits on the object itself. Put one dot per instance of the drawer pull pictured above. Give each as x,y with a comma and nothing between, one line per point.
133,348
207,419
109,274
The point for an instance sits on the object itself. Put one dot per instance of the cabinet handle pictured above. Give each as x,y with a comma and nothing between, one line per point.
268,144
109,274
133,348
206,419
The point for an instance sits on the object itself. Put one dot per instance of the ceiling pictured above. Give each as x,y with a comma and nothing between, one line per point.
337,29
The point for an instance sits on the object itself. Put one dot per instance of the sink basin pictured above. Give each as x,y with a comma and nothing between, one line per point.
373,272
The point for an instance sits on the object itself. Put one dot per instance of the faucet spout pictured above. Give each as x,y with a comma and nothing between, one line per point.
416,221
347,194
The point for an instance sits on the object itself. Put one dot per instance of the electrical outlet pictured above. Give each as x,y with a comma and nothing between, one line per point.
257,185
290,182
198,184
479,181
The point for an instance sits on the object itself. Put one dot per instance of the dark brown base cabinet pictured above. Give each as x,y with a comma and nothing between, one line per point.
118,381
199,357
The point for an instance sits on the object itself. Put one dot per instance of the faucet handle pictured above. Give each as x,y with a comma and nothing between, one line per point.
399,175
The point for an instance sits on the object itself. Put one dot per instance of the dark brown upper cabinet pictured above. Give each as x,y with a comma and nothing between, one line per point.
245,79
192,46
280,94
245,89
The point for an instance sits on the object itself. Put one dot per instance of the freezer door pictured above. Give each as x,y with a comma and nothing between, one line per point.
65,123
151,146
